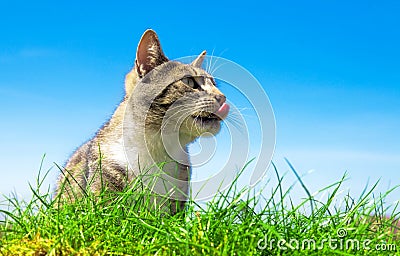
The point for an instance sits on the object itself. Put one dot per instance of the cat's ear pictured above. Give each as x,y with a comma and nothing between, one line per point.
199,60
149,53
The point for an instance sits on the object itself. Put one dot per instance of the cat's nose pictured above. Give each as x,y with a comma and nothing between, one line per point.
220,98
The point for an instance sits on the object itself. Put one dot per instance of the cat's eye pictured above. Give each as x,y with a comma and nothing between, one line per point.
189,81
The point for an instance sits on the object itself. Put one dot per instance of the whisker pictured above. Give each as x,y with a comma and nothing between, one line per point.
236,123
218,67
178,113
180,116
241,114
212,70
210,62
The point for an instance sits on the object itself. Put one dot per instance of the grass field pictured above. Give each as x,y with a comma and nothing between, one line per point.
235,222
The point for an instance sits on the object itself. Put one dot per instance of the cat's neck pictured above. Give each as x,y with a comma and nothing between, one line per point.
152,143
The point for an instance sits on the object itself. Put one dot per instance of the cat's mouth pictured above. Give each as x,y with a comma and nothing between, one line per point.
216,116
206,117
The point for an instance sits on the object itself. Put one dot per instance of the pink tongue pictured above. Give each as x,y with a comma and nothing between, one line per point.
223,111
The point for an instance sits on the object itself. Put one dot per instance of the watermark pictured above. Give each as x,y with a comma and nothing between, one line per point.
339,242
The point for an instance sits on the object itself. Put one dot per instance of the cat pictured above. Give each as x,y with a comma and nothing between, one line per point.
167,105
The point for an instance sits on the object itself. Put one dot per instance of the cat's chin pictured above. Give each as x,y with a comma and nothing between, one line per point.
201,126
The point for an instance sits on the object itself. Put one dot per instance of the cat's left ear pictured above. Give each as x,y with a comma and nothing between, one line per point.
149,53
199,60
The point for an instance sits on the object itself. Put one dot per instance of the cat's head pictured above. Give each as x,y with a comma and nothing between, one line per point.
191,100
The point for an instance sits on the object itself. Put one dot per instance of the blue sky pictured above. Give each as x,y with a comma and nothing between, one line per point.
331,71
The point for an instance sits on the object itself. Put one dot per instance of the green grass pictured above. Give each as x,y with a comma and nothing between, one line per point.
235,222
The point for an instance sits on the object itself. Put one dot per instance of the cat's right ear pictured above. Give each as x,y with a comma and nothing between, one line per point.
149,53
199,60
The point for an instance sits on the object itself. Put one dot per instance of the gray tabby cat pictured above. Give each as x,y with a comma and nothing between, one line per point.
167,105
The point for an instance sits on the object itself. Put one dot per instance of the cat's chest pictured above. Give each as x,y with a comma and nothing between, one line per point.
166,149
139,154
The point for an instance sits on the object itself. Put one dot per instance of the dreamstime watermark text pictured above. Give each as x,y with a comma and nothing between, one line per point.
339,242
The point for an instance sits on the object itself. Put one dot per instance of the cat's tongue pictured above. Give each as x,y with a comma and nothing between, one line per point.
223,111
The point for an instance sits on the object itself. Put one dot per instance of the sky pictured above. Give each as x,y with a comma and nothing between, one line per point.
330,69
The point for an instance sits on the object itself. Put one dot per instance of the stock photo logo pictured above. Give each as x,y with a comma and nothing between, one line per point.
343,241
225,135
